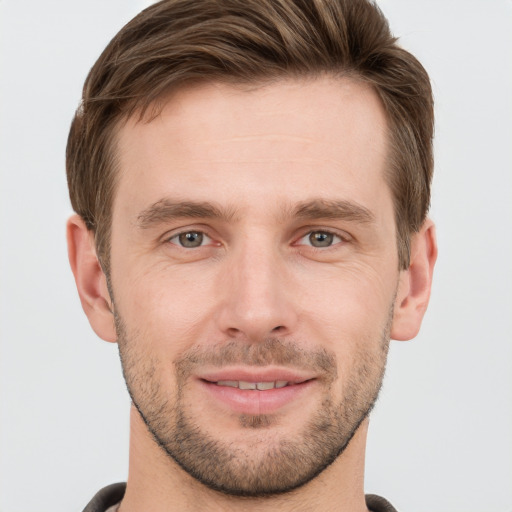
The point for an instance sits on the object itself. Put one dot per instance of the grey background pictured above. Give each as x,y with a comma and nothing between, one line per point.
441,436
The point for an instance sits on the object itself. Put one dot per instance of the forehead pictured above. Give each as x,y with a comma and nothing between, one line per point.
238,143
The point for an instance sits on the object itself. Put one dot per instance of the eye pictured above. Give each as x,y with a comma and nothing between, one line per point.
320,239
190,239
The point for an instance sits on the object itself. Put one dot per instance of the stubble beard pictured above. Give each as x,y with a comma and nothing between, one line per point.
264,466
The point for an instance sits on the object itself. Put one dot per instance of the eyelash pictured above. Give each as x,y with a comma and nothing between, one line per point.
308,234
188,232
334,242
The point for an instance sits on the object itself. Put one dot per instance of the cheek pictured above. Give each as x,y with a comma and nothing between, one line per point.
338,307
357,294
167,306
349,312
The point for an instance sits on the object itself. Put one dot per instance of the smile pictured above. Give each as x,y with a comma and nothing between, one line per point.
257,395
260,386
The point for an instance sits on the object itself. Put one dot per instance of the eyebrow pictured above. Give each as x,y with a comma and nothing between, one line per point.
333,209
167,210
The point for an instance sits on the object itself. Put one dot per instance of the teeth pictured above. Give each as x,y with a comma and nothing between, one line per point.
247,385
228,383
261,386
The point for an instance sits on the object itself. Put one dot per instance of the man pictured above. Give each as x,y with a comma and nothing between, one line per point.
251,181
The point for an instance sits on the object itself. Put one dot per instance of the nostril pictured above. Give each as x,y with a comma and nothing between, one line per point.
278,328
232,331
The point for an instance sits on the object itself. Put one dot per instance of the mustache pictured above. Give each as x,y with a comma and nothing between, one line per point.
271,351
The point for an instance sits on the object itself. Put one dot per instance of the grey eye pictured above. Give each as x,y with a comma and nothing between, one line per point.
191,239
321,239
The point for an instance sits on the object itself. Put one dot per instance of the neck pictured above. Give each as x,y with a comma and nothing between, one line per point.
157,484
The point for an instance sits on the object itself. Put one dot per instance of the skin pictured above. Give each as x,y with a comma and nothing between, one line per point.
275,162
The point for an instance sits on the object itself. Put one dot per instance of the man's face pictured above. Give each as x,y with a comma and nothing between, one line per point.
254,246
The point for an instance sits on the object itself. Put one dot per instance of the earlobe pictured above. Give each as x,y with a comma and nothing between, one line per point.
90,279
415,284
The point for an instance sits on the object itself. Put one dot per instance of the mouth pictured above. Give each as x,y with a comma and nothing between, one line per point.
258,394
256,386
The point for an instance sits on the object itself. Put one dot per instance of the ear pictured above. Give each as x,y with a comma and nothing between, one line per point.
415,284
90,280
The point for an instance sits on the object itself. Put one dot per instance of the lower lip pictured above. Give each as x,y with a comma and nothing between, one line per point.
255,402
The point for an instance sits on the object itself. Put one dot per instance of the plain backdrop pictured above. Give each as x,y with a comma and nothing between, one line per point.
441,435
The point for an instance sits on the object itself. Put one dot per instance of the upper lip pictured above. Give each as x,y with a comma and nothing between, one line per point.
256,374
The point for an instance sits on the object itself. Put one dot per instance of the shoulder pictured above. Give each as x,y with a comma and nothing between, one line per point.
106,498
378,504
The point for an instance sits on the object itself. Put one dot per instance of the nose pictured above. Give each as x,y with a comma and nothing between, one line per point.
257,297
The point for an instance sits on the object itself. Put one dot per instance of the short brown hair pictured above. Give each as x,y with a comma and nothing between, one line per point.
175,42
